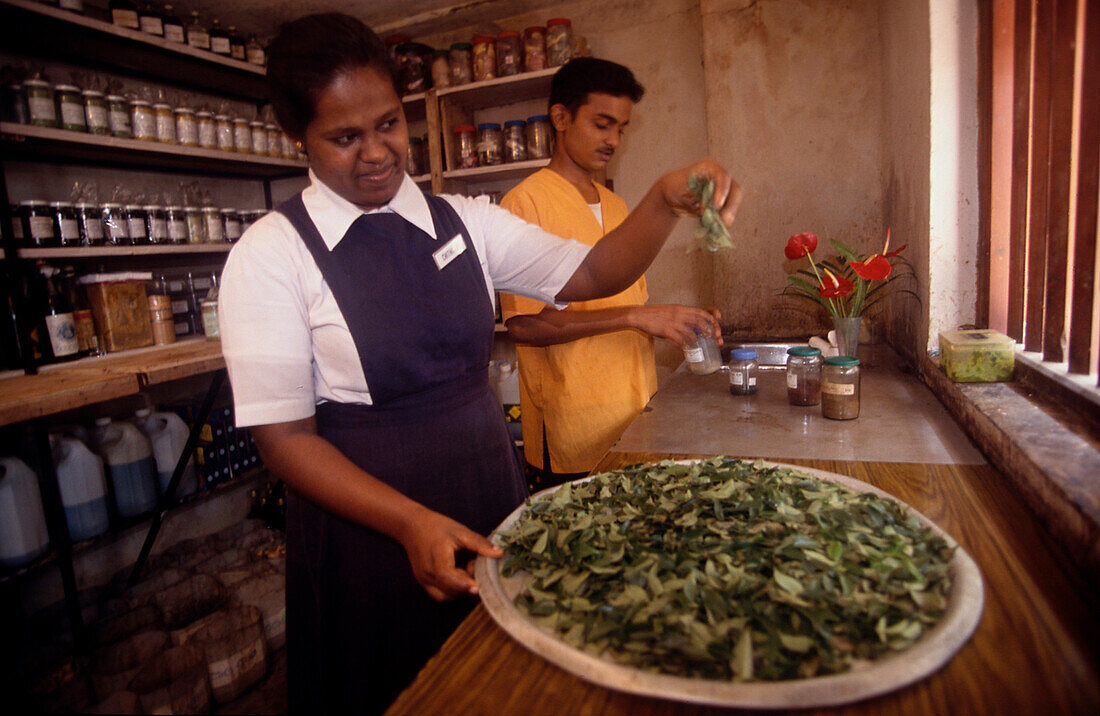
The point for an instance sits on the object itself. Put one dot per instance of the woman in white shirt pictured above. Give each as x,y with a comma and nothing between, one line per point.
357,323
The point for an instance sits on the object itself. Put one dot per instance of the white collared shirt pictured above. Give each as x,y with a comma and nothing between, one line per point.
285,342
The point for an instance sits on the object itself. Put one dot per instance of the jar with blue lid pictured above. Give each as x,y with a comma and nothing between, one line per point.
743,367
489,144
515,140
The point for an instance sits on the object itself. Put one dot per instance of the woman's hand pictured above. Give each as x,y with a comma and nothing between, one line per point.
676,323
679,198
431,542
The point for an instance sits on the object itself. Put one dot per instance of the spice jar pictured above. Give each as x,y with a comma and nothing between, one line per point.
223,132
37,223
209,311
135,224
743,368
231,221
414,163
96,114
156,225
41,106
489,144
242,135
143,122
441,69
515,140
462,70
65,226
176,219
466,146
116,228
196,225
160,315
559,41
509,53
118,116
212,221
484,58
187,127
539,137
207,131
840,388
166,123
803,375
534,48
89,223
702,356
274,138
258,137
413,63
70,107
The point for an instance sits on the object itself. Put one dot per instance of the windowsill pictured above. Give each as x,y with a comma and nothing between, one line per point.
1051,454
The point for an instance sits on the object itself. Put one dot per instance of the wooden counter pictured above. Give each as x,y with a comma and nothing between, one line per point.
1036,649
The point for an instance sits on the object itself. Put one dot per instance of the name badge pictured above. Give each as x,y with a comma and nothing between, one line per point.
447,253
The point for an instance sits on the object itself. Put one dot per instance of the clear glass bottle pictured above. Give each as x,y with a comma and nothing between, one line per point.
743,368
165,123
223,132
257,137
237,45
242,135
231,219
441,69
150,21
37,224
135,224
41,104
156,225
124,14
65,226
803,375
58,322
187,127
176,219
197,34
219,39
702,356
143,121
214,224
90,222
840,388
196,225
207,130
173,26
115,225
255,54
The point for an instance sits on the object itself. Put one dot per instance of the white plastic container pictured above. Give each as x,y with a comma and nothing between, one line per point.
23,535
168,434
83,486
128,456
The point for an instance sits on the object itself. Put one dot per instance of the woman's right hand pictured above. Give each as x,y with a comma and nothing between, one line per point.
432,542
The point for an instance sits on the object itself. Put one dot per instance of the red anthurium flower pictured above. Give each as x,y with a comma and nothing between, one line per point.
875,268
800,244
835,286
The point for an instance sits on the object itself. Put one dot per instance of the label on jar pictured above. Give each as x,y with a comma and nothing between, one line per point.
41,227
232,229
738,378
173,33
93,228
199,39
186,130
62,330
41,109
116,231
125,18
792,380
255,55
215,230
220,45
259,141
72,114
242,138
838,388
160,230
70,231
144,124
180,306
152,24
177,230
166,127
120,121
206,134
97,116
137,227
694,354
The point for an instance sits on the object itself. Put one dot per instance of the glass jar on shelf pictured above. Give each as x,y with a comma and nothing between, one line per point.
41,104
143,122
515,140
242,135
37,224
197,34
231,220
118,116
135,224
274,140
490,148
559,41
534,48
223,133
258,137
124,14
196,225
414,164
540,138
150,21
156,224
414,61
116,228
187,127
465,146
65,226
840,388
462,68
254,51
166,123
176,219
214,224
219,39
206,129
173,26
441,69
70,106
96,112
484,59
236,45
509,53
90,223
742,370
803,375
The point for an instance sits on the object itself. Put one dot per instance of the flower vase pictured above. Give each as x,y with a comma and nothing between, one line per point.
847,335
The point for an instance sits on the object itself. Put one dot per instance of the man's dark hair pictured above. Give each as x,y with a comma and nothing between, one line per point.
572,83
308,53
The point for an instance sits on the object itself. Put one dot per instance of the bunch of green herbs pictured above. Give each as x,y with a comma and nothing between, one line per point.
723,569
712,234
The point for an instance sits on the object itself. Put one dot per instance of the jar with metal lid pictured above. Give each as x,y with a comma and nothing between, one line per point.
414,163
156,225
509,53
41,105
274,139
743,368
242,135
257,137
840,388
207,130
465,146
484,58
702,356
135,224
118,116
803,375
286,145
214,223
70,106
37,223
65,226
231,221
165,123
490,147
187,127
196,225
559,41
441,69
115,224
515,140
223,132
176,219
89,221
462,69
534,48
95,112
539,137
143,122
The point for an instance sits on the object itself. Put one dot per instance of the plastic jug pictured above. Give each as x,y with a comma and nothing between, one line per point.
83,486
168,434
128,456
23,535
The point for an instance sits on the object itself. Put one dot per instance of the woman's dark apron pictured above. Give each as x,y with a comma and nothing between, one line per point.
359,625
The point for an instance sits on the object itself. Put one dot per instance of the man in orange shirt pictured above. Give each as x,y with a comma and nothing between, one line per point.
587,371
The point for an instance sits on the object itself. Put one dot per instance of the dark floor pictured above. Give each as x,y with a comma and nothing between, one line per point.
266,697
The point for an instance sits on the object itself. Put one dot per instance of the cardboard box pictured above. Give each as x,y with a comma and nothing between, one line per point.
121,310
977,356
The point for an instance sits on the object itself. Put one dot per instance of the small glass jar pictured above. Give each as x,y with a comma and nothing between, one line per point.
214,224
173,26
209,310
534,48
559,41
803,375
166,123
207,130
187,127
124,14
484,58
237,48
702,356
135,224
509,53
539,137
414,163
286,145
515,140
89,220
465,146
413,63
257,137
462,69
743,368
150,21
37,223
41,105
223,131
96,112
117,229
490,147
118,116
65,226
70,105
231,220
274,138
143,122
441,69
156,225
176,219
242,135
196,225
254,52
840,388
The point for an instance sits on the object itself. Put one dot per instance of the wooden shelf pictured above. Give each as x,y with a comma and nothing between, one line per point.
501,90
26,141
95,252
42,31
497,172
415,106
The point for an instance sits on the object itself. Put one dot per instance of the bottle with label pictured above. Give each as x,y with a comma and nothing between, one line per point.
254,51
237,45
149,20
197,34
124,14
742,370
702,356
219,39
209,308
173,26
840,388
86,336
58,322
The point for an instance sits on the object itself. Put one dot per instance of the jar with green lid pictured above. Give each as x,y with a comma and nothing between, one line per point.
165,123
257,137
187,127
441,69
70,106
242,135
95,112
840,388
143,122
118,116
559,41
90,223
135,224
214,224
196,225
37,224
176,219
274,139
743,368
41,105
803,375
539,137
461,57
231,220
156,226
65,227
207,129
223,132
116,228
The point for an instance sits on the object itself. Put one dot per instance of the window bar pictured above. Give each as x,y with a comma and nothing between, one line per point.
1021,91
1039,226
